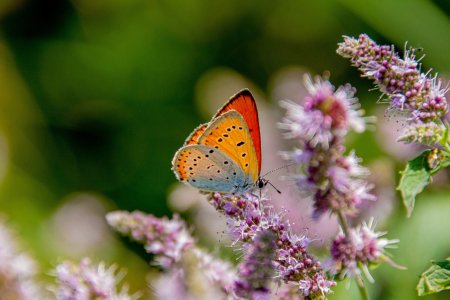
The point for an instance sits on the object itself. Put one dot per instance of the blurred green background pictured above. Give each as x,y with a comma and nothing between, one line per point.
96,97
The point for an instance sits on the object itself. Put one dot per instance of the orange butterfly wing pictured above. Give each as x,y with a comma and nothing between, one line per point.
193,138
244,103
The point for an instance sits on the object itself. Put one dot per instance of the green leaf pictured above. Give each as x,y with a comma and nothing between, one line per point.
414,179
435,279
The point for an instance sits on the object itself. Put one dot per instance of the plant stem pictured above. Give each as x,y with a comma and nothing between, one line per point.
359,281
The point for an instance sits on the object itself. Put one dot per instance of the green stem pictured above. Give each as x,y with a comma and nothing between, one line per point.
359,281
362,288
445,137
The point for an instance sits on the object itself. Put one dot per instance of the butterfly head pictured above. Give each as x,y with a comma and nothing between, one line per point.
262,182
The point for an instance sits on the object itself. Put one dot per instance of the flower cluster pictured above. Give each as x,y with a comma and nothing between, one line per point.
362,247
248,215
166,239
333,180
17,268
419,96
199,276
336,182
257,269
84,280
423,133
326,114
175,251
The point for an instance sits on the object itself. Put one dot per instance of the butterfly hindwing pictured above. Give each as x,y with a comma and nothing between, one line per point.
229,134
244,103
208,169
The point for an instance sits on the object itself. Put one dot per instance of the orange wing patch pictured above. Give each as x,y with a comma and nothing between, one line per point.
193,137
244,103
179,165
229,133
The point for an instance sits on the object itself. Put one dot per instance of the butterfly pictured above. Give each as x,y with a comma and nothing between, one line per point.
224,155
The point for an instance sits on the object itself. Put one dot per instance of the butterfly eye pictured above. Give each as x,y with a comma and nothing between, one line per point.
260,184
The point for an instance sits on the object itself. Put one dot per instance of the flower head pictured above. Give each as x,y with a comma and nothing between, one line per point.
363,247
423,133
334,181
257,269
175,251
166,239
17,268
400,79
325,114
84,281
248,216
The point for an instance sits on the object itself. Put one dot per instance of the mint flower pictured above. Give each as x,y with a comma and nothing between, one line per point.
407,88
248,215
361,249
418,96
170,286
326,114
423,133
175,251
257,268
200,276
84,281
334,181
166,239
17,268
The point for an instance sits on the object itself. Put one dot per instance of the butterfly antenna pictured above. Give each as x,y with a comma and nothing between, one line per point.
263,182
279,192
282,167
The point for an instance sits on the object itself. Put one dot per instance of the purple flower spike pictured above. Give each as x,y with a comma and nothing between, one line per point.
257,269
86,281
362,248
325,115
334,181
166,239
175,251
417,95
423,133
17,268
250,218
400,79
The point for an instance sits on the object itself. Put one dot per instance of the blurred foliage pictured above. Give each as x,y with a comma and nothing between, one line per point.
435,279
96,96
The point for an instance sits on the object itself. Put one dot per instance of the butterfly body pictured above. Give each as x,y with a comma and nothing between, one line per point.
221,156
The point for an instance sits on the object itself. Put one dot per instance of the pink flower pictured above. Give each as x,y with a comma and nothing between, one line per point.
84,281
17,268
420,97
257,269
166,239
362,248
334,181
399,79
326,113
175,251
248,216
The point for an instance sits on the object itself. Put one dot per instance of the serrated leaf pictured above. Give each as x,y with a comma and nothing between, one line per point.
435,279
414,179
